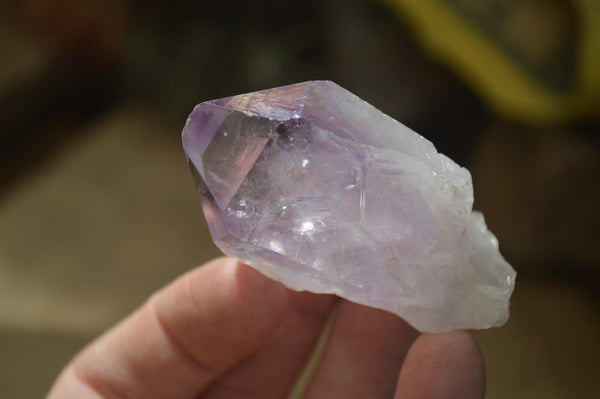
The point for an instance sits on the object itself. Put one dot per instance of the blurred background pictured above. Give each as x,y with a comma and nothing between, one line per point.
98,209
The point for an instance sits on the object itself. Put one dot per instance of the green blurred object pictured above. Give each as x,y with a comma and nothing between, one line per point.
534,61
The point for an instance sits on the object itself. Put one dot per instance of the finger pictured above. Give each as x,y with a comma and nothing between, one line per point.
184,337
272,371
443,366
364,354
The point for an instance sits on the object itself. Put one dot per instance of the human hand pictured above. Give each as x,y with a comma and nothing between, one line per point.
225,331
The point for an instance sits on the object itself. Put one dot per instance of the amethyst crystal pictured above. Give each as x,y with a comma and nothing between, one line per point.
317,189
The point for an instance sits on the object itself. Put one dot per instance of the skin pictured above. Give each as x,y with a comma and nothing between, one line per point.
224,330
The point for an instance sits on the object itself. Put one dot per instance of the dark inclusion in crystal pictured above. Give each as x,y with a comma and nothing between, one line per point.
293,133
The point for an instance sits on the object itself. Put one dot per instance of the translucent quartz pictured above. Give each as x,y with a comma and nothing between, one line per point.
317,189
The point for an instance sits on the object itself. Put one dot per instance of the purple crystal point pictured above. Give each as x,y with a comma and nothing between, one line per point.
317,189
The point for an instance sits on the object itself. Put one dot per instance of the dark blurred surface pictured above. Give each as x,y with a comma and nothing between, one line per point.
97,208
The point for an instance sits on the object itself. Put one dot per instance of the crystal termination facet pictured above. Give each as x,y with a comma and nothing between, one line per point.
317,189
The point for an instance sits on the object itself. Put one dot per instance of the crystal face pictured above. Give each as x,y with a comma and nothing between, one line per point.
317,189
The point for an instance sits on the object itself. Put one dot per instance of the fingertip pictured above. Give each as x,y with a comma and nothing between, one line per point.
273,295
266,300
448,365
184,337
363,355
224,302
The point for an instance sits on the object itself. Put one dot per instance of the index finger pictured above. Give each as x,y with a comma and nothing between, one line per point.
182,339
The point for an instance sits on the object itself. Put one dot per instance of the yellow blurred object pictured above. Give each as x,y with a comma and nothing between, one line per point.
535,61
